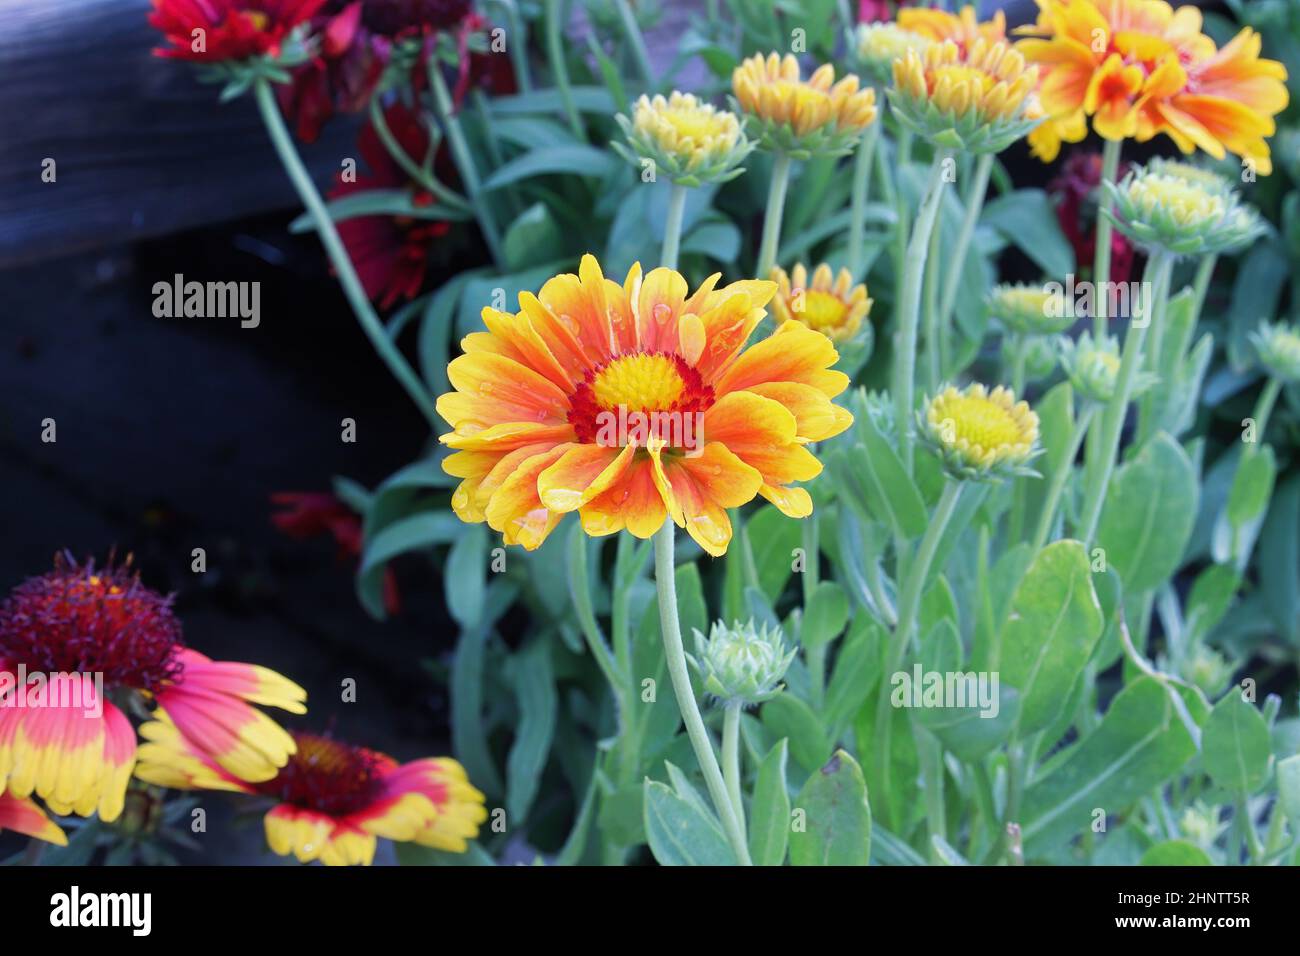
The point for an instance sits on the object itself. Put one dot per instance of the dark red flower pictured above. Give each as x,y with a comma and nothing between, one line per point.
873,11
390,253
307,514
214,31
1076,190
82,619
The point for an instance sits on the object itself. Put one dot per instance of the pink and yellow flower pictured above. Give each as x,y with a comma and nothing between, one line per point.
536,393
333,800
106,637
22,815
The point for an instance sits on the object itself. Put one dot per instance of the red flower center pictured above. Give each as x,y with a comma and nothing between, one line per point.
77,619
329,776
660,386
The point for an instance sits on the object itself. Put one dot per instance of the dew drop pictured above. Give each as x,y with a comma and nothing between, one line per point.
662,312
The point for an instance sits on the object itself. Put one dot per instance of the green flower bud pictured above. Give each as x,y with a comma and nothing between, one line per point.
740,664
1179,213
1028,309
1278,345
1092,365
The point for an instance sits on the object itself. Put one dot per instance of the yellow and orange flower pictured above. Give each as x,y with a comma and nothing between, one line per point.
22,815
961,28
796,116
333,800
1139,68
976,99
829,304
628,403
73,636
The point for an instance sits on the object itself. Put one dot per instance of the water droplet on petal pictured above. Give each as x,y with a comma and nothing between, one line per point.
569,323
662,312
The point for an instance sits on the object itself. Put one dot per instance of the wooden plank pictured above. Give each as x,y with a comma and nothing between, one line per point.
141,148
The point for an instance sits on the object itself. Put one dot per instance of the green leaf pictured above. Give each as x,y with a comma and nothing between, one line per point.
1139,744
1027,219
826,615
1279,560
947,853
586,99
532,238
893,489
1208,601
857,667
769,825
1235,747
1150,508
1288,789
1252,487
1055,621
787,716
573,160
378,202
1176,853
836,827
464,578
680,834
434,342
534,686
715,238
966,732
773,536
423,530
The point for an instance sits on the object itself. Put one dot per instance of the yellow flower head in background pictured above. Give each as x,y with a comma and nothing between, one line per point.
830,304
630,402
797,116
879,45
1028,309
975,100
690,141
979,434
1139,68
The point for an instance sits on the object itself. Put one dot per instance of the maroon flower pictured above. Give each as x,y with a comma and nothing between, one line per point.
873,11
213,31
307,514
1076,190
390,252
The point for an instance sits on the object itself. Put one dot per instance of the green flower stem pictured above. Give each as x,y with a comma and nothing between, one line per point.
1156,277
862,163
338,254
675,654
1201,284
1061,475
1261,413
731,759
632,33
930,309
673,227
555,10
424,177
909,306
518,44
815,657
909,605
772,219
463,159
1018,346
979,188
902,158
1101,256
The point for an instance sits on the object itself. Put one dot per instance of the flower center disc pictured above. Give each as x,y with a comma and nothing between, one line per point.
657,384
823,310
982,422
329,776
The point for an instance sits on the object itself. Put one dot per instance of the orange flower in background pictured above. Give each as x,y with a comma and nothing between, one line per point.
1140,68
961,28
101,632
215,31
333,800
23,816
628,403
